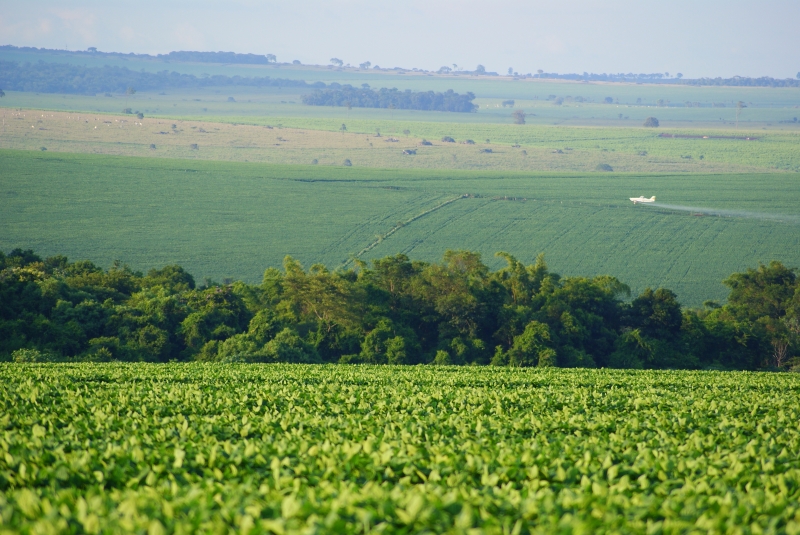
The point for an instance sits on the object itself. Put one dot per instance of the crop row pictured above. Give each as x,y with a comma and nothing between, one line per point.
357,449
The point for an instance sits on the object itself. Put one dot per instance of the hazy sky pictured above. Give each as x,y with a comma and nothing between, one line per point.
694,37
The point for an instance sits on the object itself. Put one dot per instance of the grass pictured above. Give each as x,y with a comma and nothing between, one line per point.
356,449
271,103
484,87
221,219
301,140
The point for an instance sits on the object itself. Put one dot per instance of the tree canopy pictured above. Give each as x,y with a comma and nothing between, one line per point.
65,78
391,311
364,97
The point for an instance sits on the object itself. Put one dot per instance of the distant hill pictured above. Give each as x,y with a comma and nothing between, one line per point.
44,77
185,56
266,59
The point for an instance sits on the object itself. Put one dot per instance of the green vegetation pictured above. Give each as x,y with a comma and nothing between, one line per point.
289,449
392,311
229,220
391,99
66,78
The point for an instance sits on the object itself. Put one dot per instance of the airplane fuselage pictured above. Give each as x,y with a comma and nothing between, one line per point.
637,200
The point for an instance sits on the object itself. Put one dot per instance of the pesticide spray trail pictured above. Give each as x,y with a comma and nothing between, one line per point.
741,214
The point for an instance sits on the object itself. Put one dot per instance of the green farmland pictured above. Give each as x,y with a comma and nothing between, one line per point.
365,449
232,220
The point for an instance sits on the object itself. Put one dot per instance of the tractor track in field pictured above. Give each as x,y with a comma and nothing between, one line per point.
395,228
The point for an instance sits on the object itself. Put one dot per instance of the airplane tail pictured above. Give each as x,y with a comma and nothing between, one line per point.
653,198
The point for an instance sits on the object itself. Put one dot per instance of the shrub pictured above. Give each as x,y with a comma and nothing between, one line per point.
603,167
448,139
651,122
347,163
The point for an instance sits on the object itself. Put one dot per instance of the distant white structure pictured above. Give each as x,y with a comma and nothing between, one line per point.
636,200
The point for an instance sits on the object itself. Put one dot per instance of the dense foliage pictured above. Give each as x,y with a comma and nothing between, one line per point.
394,311
182,55
343,449
219,57
663,78
348,95
66,78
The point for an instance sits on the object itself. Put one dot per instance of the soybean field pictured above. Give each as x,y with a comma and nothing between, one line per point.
363,449
232,220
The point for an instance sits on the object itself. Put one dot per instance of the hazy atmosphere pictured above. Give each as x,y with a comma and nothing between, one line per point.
428,266
709,38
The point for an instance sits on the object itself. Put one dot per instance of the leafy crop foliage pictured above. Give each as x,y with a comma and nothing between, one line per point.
233,220
393,311
391,98
293,448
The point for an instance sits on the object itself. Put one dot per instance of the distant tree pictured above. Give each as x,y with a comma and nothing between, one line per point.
347,162
480,69
343,129
271,58
128,92
666,74
507,103
679,76
798,75
444,70
510,71
406,132
2,93
365,85
455,67
651,122
608,100
364,65
296,62
92,49
660,103
540,72
739,107
139,115
603,167
518,116
337,61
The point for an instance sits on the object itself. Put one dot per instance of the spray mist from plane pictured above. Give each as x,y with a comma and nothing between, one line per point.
741,214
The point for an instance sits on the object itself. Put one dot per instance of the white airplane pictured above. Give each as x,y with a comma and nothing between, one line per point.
643,199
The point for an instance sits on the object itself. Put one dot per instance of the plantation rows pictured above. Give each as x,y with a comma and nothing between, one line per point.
357,449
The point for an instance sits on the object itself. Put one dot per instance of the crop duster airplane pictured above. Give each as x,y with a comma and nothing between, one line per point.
643,199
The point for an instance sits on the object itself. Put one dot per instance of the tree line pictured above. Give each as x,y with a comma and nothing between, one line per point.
392,310
347,95
663,78
181,55
44,77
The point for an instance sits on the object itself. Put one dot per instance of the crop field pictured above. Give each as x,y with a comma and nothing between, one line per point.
222,220
273,104
493,87
294,140
362,449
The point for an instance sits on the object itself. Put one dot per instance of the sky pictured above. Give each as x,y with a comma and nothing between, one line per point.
694,37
